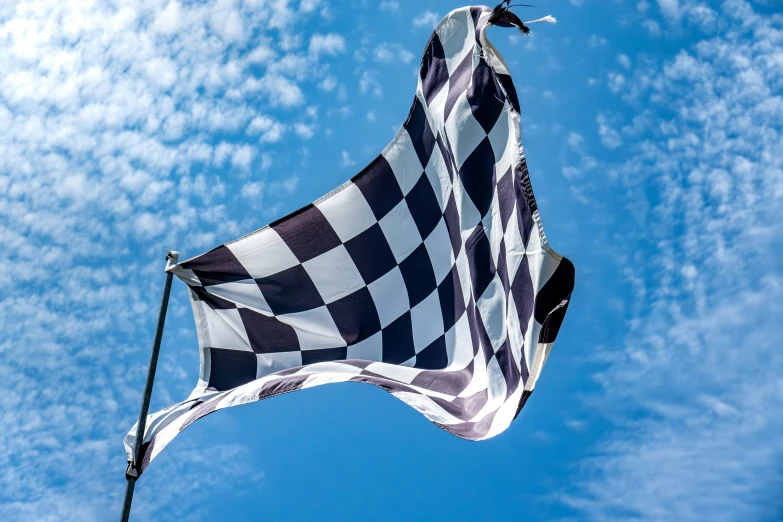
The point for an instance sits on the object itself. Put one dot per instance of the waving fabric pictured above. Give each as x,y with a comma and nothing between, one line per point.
427,274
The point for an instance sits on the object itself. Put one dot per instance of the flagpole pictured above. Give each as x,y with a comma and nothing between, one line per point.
133,468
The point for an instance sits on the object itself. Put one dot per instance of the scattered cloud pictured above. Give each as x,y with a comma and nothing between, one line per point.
307,6
346,159
392,53
329,83
610,138
615,81
285,186
252,190
693,390
242,156
577,150
331,44
369,84
269,129
596,41
304,130
124,125
670,9
279,89
427,19
652,27
391,6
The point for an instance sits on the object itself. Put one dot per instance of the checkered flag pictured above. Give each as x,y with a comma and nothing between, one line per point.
427,274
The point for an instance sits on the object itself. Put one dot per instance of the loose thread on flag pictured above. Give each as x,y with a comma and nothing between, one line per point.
548,19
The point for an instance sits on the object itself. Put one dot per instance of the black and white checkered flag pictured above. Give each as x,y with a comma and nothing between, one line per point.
427,274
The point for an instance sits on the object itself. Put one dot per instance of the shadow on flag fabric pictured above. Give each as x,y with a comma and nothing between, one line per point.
427,274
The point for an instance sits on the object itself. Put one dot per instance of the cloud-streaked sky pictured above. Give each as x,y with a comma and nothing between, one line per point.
654,136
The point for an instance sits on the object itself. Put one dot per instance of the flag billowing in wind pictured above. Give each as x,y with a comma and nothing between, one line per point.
427,274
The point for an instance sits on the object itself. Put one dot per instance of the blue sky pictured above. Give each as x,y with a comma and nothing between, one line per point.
654,136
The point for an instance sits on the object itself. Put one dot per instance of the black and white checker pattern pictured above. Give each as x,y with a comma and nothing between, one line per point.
427,274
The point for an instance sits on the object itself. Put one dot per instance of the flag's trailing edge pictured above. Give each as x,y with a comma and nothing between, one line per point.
427,274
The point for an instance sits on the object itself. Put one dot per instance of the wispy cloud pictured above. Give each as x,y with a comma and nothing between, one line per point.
369,84
392,53
695,390
596,41
427,19
269,129
610,138
331,44
122,126
346,159
391,6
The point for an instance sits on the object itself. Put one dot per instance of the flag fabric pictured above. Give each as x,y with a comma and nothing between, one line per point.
428,274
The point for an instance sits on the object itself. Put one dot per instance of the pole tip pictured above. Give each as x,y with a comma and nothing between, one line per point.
172,258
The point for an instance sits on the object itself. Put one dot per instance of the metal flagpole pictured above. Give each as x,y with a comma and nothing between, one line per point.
133,472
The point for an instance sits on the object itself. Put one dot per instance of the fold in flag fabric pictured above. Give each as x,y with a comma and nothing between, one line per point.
427,274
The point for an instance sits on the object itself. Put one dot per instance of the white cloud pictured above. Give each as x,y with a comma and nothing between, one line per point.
343,111
280,90
575,141
391,6
227,22
615,81
702,16
392,53
304,130
693,13
269,129
610,138
331,44
126,127
175,126
161,71
694,389
242,157
307,6
652,27
427,19
596,41
346,159
149,225
369,84
261,55
578,150
329,83
342,93
252,190
169,19
670,8
285,186
266,161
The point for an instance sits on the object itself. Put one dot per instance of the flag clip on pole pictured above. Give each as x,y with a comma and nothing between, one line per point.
133,467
